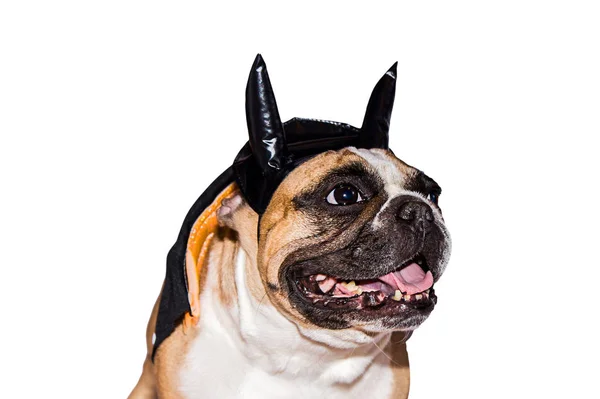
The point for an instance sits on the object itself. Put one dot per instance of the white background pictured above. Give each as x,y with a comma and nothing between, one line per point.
115,116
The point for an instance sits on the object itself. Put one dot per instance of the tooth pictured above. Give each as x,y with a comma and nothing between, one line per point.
326,285
397,295
359,291
426,294
406,297
320,277
351,285
418,296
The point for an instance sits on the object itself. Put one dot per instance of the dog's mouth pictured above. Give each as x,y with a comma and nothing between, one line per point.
410,285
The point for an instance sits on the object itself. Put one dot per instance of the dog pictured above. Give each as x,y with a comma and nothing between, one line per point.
302,271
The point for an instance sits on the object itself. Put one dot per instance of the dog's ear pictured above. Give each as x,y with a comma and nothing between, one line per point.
237,215
376,124
267,138
199,240
225,214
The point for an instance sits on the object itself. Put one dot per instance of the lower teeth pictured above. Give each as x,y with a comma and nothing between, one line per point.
398,296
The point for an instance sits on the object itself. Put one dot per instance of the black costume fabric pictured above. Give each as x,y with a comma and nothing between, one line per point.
274,149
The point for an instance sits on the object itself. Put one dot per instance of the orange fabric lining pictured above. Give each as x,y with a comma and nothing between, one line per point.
201,235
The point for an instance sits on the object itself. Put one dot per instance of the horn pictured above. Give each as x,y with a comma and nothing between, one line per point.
267,138
376,125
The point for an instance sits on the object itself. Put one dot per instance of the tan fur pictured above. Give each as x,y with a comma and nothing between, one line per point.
399,365
169,359
159,379
225,246
146,386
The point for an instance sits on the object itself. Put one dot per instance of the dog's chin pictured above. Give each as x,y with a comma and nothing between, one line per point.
399,300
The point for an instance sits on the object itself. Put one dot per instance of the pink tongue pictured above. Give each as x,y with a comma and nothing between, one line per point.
410,280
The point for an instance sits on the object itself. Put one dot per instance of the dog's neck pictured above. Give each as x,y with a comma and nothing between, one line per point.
280,346
259,337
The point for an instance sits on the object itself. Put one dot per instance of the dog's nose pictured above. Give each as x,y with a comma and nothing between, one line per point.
415,212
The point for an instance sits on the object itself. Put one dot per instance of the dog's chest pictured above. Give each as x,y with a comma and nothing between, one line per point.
215,368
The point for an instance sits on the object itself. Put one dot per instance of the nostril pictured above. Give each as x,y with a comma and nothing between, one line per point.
407,212
428,215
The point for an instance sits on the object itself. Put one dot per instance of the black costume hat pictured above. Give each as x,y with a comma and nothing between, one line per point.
274,149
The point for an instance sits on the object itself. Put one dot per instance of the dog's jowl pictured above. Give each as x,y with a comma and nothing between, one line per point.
304,268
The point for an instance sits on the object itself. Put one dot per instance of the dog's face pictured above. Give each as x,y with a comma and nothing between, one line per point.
354,239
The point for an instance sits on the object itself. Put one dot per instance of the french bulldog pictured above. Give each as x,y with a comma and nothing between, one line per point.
305,269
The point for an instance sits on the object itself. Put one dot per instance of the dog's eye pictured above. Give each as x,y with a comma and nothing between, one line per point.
433,197
344,195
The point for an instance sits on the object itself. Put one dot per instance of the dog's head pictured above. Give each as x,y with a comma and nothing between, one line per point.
354,238
348,237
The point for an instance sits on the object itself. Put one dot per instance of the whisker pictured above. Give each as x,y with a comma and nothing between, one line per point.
385,354
259,304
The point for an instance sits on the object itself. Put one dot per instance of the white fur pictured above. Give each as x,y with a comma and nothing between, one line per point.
393,178
251,351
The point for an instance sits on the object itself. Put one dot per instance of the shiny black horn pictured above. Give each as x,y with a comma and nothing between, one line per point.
376,125
265,129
